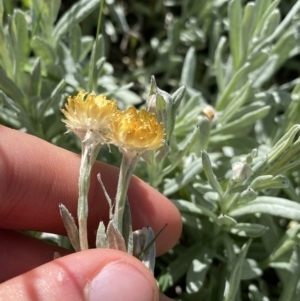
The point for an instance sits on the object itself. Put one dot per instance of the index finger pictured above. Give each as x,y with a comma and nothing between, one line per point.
37,176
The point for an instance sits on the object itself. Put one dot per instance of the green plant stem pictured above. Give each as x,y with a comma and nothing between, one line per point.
89,154
91,82
100,17
127,167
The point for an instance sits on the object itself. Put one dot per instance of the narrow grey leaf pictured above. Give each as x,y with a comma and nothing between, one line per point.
127,227
70,226
101,238
236,273
149,255
109,201
114,238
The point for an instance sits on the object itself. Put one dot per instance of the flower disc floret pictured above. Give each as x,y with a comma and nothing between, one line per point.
137,131
88,113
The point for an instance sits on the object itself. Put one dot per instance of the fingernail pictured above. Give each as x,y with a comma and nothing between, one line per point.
120,281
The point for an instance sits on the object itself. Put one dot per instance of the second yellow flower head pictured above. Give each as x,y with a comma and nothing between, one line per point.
137,131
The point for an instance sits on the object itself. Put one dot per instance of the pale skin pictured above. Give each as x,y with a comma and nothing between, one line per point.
35,177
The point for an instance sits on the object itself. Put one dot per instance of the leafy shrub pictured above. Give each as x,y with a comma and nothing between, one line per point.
232,166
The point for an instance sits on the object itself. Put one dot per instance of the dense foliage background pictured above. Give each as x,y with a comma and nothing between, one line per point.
232,168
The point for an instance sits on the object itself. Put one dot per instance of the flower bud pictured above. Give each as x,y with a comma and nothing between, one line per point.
160,103
209,112
241,171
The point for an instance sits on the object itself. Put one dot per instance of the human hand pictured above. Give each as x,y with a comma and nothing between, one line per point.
37,176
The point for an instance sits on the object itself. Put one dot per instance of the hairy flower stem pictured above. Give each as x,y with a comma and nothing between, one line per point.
90,150
127,166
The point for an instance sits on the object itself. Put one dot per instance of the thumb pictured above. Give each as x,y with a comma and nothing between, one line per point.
97,274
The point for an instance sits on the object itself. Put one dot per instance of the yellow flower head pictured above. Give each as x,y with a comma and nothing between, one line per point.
88,113
137,131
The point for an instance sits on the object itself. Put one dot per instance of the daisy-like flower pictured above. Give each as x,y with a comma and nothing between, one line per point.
136,131
88,113
89,117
